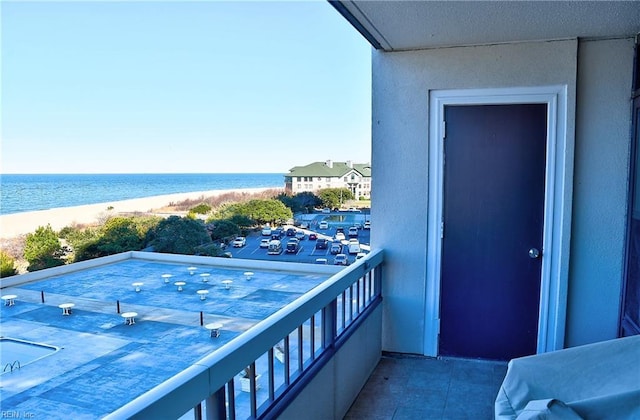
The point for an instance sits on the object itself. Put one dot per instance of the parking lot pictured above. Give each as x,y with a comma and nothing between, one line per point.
307,252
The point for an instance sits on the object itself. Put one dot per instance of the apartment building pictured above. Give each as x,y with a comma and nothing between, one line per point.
318,175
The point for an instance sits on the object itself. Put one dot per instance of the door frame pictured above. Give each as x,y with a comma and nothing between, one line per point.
557,207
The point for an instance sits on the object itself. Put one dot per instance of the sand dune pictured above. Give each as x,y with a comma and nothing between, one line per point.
12,225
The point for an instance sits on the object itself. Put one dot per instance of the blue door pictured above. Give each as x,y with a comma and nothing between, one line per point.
493,215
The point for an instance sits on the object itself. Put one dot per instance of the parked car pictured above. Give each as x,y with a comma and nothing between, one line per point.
264,243
353,232
340,236
279,232
239,242
304,225
300,235
293,246
323,225
353,247
341,259
326,210
266,231
336,248
291,232
321,243
321,261
367,225
360,255
313,236
340,229
275,247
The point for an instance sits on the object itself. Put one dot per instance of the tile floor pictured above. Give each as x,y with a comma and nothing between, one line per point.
414,387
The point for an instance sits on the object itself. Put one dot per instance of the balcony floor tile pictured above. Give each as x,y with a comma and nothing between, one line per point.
413,387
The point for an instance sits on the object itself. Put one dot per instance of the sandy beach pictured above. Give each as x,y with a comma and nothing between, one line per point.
12,225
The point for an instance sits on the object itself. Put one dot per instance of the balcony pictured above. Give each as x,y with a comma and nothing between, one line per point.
318,354
341,322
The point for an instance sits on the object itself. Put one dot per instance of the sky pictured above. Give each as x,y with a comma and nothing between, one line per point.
180,87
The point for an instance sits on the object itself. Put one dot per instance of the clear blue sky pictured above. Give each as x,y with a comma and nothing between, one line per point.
120,87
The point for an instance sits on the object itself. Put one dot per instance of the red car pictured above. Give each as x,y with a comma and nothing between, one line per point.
313,236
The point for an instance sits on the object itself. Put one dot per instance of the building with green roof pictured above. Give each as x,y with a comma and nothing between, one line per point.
318,175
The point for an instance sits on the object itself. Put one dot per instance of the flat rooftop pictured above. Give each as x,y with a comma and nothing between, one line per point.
103,362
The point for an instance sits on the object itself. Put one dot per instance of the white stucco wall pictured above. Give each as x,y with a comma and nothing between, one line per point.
400,127
603,121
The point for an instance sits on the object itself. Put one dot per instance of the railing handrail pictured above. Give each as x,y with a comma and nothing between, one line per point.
214,370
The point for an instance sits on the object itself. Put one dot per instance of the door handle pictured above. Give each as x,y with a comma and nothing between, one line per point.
534,253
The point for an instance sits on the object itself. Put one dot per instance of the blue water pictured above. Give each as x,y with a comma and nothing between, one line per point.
20,193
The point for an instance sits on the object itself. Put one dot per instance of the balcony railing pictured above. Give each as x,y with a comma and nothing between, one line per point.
259,373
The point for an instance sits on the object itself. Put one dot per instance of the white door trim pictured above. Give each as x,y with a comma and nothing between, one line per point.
557,208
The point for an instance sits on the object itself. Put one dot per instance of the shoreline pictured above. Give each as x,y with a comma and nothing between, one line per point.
16,224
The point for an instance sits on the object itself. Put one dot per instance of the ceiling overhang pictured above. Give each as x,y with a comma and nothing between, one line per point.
409,25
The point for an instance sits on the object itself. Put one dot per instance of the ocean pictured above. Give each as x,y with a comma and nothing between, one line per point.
24,192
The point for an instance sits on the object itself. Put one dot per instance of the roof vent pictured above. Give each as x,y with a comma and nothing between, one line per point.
350,164
329,163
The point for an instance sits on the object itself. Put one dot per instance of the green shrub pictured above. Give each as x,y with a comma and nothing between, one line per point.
202,208
223,229
178,235
7,265
43,249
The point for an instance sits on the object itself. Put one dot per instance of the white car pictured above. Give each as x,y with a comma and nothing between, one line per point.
266,231
239,242
340,236
367,225
341,259
353,247
264,243
323,225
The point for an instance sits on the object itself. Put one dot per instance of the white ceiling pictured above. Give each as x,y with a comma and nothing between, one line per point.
406,25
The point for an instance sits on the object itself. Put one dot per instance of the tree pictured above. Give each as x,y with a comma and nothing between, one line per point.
179,235
119,234
223,229
43,249
304,201
262,211
242,221
7,265
334,197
